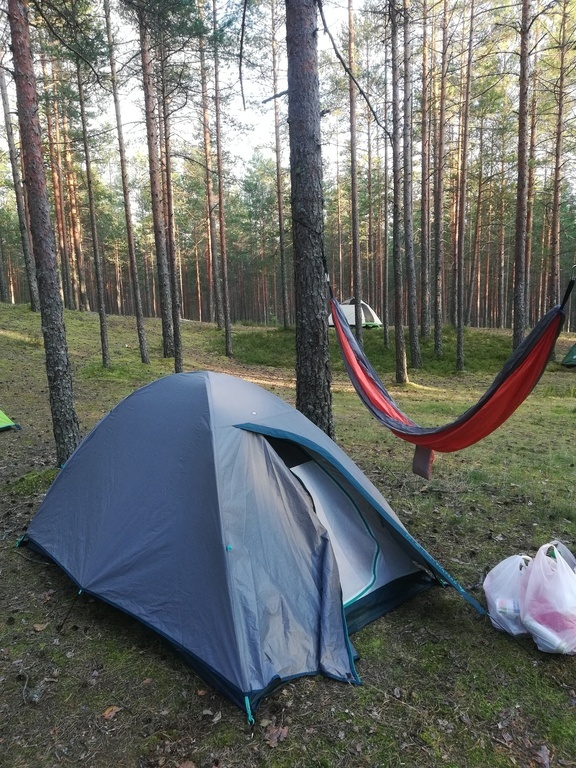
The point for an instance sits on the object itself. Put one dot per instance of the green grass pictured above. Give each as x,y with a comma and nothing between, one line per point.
441,687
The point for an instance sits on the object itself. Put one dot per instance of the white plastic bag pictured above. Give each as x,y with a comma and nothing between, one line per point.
548,608
504,586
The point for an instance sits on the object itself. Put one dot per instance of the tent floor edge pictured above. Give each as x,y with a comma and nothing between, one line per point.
386,599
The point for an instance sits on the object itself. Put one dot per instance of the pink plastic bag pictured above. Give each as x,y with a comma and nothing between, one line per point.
503,587
548,607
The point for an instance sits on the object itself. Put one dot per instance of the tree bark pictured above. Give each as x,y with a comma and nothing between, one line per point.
400,343
98,266
53,134
554,282
313,394
166,133
156,189
355,224
77,267
58,369
19,194
425,311
519,321
439,191
214,272
415,355
136,294
221,212
279,183
462,199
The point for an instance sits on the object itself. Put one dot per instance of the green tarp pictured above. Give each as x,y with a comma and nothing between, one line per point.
570,359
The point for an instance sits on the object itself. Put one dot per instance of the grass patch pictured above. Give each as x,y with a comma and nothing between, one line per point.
34,482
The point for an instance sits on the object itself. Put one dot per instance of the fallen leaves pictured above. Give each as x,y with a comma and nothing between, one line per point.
274,734
110,712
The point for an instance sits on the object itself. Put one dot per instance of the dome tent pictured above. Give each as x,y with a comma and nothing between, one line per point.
222,518
369,317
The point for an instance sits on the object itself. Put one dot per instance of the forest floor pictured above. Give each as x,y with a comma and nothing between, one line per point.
83,684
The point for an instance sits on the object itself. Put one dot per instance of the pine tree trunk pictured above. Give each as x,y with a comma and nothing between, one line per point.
401,369
386,233
19,194
58,369
313,395
56,165
355,225
78,272
462,199
473,283
531,191
501,266
156,190
425,311
221,211
439,191
164,118
554,283
415,356
4,297
279,184
98,267
519,320
136,294
215,280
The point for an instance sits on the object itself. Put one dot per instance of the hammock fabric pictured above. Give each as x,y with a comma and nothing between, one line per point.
509,389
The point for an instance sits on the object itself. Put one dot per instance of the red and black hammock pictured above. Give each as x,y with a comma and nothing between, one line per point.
509,389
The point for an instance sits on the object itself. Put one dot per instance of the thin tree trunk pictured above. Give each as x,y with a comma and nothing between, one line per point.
164,117
98,269
77,267
58,369
221,212
156,190
19,194
210,197
386,234
355,225
474,261
401,369
462,200
56,165
279,184
531,192
411,286
554,283
425,311
519,321
439,192
137,297
501,294
4,297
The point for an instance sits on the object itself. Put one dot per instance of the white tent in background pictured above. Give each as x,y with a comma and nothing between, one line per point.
369,317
